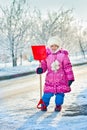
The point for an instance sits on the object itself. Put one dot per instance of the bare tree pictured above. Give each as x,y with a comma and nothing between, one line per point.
56,23
14,27
21,28
82,39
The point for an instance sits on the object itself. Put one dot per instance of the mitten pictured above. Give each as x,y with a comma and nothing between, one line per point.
39,70
70,82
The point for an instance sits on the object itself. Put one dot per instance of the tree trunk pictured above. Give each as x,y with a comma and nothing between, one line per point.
82,50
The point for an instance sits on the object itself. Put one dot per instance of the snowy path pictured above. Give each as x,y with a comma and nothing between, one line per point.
19,97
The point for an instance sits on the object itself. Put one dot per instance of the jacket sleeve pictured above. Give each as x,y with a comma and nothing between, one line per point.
68,67
43,62
44,65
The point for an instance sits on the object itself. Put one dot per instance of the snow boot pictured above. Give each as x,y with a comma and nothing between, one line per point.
58,108
43,108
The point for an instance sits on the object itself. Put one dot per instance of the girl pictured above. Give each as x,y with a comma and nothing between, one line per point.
59,74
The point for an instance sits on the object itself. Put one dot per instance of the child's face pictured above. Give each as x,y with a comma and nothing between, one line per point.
54,47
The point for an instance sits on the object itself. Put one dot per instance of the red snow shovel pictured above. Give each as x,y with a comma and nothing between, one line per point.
39,53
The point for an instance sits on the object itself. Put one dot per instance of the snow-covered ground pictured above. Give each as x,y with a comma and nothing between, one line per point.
18,108
27,67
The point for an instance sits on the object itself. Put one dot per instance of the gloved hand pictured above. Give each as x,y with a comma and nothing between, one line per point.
39,70
70,82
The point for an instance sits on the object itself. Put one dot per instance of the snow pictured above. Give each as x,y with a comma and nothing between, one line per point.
27,67
19,97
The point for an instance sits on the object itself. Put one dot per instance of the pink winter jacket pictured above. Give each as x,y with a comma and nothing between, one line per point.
56,80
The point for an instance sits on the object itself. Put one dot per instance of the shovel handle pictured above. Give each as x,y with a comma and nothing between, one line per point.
40,81
40,86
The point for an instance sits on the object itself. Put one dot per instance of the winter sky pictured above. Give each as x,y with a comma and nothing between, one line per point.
79,6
